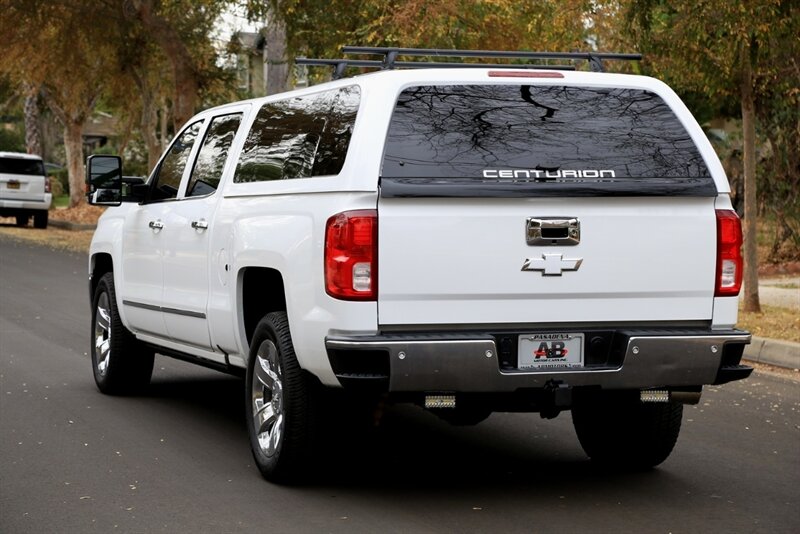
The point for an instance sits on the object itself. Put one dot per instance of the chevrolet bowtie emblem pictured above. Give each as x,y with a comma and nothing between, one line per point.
552,264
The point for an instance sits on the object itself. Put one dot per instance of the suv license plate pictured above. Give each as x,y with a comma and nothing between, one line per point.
12,184
550,351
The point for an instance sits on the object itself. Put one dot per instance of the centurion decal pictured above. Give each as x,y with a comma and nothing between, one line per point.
553,175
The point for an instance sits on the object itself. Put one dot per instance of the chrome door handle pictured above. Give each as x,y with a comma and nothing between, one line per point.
156,225
202,224
550,231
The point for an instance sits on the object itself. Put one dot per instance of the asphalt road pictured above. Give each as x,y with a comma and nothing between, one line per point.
177,458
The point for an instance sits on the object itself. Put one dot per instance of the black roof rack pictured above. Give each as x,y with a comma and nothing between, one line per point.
390,61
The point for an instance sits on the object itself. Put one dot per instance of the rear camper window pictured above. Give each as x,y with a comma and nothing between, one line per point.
526,140
299,138
33,167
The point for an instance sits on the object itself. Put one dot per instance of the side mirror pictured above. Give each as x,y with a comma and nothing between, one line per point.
104,180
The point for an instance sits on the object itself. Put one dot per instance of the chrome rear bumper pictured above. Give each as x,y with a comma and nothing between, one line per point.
463,363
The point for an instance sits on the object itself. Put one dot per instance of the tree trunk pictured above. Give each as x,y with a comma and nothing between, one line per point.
33,137
72,120
149,125
149,119
751,301
73,145
186,89
277,67
183,71
125,136
164,121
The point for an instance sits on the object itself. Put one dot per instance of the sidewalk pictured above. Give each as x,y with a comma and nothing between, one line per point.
783,292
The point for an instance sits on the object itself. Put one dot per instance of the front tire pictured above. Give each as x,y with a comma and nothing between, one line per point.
281,403
623,432
22,220
121,364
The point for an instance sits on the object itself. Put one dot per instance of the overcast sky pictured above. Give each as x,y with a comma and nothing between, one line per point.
233,20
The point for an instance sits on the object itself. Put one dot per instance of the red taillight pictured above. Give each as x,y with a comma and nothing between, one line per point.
729,254
47,184
351,255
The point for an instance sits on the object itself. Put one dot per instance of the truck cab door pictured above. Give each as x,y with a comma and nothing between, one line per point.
145,236
187,257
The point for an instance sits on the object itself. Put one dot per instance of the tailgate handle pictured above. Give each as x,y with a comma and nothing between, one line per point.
549,231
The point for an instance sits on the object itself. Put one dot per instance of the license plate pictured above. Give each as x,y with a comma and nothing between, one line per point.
550,351
12,184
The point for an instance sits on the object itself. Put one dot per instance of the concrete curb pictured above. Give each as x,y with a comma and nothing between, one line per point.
773,352
66,225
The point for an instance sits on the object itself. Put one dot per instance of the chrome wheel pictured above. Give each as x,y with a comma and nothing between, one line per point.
121,364
102,334
280,403
267,398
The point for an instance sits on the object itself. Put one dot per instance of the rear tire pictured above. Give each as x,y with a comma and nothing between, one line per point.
22,220
121,364
281,405
623,432
40,219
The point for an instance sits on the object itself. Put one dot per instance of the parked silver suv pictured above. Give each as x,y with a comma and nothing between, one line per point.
24,189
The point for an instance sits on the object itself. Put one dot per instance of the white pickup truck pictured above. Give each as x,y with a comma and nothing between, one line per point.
468,239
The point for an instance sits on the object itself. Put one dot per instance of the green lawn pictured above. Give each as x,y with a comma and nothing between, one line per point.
61,201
